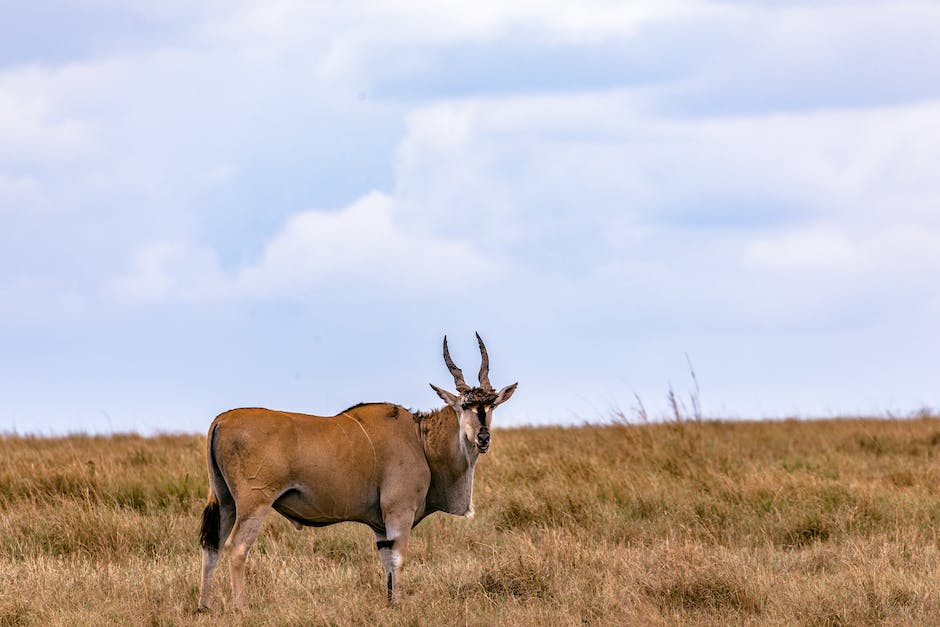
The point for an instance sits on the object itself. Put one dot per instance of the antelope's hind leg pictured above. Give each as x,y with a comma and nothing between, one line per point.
217,520
243,535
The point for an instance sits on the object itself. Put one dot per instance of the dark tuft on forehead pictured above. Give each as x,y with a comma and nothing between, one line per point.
479,396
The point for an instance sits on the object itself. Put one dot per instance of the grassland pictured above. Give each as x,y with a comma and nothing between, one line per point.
818,523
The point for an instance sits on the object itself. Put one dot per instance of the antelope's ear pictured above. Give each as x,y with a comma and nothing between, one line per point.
447,397
504,394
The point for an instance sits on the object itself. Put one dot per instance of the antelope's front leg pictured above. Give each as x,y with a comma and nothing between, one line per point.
393,547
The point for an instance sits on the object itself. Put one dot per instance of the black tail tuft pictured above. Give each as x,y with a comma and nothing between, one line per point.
209,532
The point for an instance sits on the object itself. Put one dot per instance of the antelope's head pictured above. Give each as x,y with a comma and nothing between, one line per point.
474,405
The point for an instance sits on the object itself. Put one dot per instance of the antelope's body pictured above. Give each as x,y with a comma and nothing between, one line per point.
377,463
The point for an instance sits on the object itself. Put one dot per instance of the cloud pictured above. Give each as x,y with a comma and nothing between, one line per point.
805,251
109,155
60,31
164,271
35,129
803,57
362,245
769,221
799,56
503,162
358,247
418,49
427,21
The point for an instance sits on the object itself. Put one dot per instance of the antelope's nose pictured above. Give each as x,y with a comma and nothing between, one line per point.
483,439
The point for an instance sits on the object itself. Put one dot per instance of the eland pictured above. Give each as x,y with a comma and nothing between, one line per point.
375,463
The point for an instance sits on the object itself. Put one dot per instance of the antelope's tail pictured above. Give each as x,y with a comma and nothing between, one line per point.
209,532
211,516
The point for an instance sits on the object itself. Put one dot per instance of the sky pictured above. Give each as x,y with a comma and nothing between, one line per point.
288,204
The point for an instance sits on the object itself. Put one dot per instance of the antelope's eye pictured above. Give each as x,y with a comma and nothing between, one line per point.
465,406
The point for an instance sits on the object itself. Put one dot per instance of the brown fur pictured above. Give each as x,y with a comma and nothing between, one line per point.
479,396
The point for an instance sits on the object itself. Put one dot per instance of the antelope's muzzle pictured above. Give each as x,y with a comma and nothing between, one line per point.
483,440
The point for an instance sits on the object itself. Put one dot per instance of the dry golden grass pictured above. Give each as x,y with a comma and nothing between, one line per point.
816,523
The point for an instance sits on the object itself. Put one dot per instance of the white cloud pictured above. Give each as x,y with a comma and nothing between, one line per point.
811,250
759,221
349,46
604,154
164,271
886,251
412,21
35,127
360,246
448,178
800,56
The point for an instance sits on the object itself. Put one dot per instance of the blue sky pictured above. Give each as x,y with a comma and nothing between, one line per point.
288,204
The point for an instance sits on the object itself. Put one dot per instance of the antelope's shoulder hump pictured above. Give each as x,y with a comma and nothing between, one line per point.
376,411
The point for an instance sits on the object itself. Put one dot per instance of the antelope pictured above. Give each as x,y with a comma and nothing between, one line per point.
378,464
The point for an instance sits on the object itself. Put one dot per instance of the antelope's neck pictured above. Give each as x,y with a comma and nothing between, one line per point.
451,464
